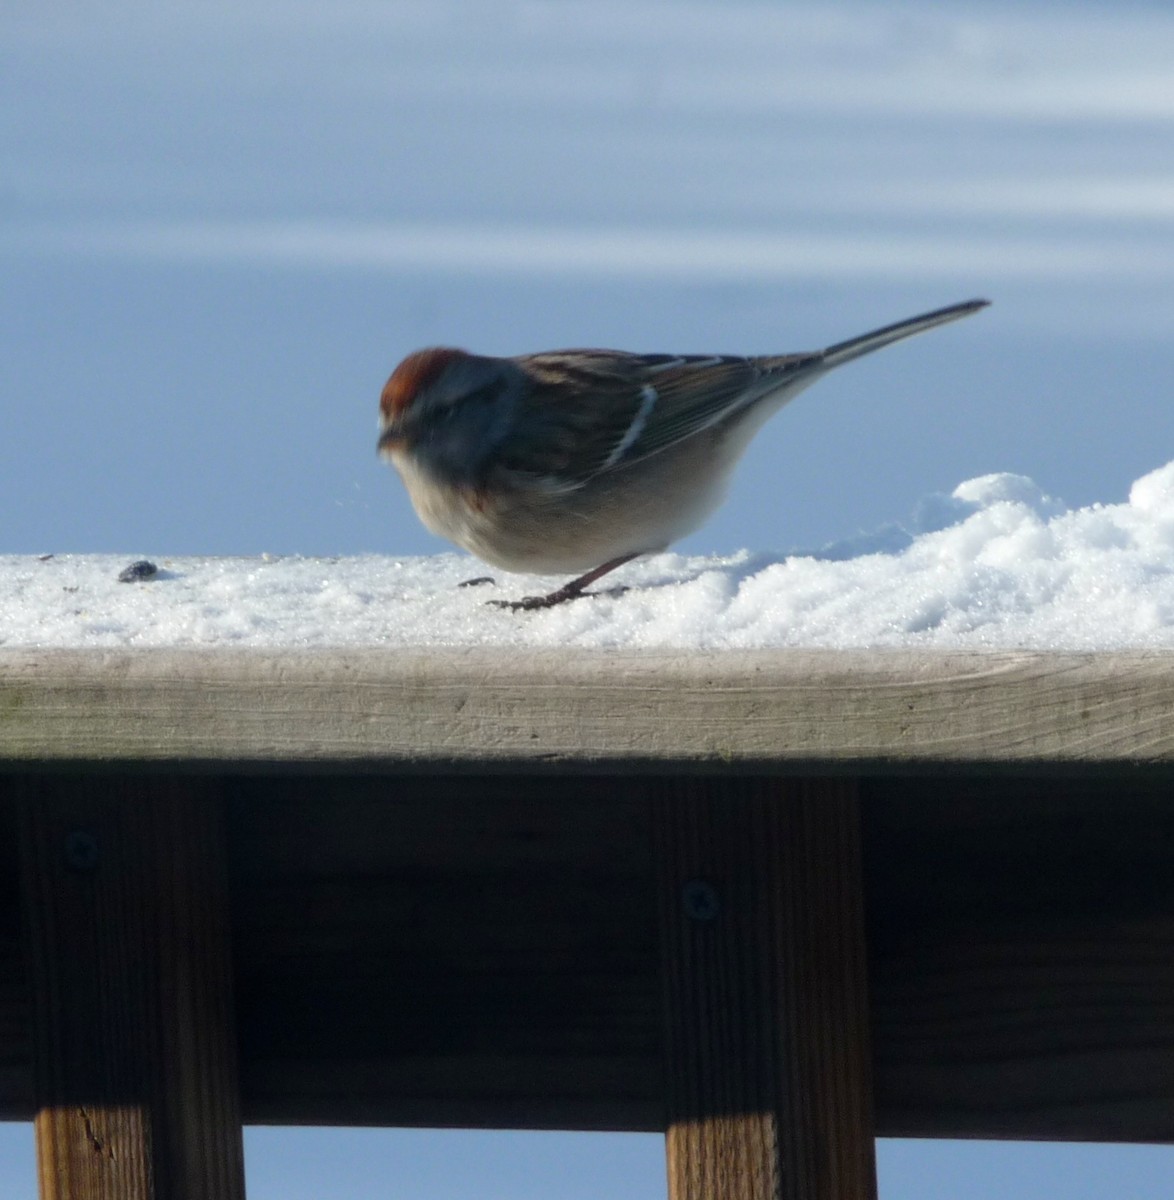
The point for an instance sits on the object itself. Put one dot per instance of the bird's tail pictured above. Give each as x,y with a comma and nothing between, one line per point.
857,347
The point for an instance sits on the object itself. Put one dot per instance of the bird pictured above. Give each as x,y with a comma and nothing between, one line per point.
578,461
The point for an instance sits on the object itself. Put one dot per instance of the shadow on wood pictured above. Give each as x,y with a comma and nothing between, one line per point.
453,950
768,1089
134,1049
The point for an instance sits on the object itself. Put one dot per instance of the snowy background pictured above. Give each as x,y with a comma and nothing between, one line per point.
223,224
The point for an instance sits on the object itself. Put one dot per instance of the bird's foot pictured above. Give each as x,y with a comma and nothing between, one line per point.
478,582
529,603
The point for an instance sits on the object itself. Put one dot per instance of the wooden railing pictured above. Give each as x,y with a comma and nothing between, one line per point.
772,903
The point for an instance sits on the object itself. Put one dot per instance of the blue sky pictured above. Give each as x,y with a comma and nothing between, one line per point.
225,223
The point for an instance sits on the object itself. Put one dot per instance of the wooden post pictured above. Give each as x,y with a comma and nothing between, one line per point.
768,1070
126,906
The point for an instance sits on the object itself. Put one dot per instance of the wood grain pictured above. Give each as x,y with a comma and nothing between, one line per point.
376,709
446,951
134,1049
768,1057
1022,940
482,951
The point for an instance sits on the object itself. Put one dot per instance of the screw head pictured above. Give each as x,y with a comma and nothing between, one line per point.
81,850
700,900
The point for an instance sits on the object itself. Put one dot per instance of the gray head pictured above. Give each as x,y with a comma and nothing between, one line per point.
448,409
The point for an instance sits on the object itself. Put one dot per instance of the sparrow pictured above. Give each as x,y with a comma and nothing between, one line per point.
577,461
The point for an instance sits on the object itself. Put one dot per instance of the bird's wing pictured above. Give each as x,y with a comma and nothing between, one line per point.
696,393
598,410
592,411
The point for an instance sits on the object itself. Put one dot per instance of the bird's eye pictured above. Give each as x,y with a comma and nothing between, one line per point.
486,394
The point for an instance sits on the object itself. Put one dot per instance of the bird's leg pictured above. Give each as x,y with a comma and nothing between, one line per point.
569,591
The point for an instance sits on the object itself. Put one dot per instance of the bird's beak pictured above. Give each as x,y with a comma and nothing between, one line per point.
391,439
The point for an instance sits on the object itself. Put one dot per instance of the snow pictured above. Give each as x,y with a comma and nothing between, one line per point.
996,564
